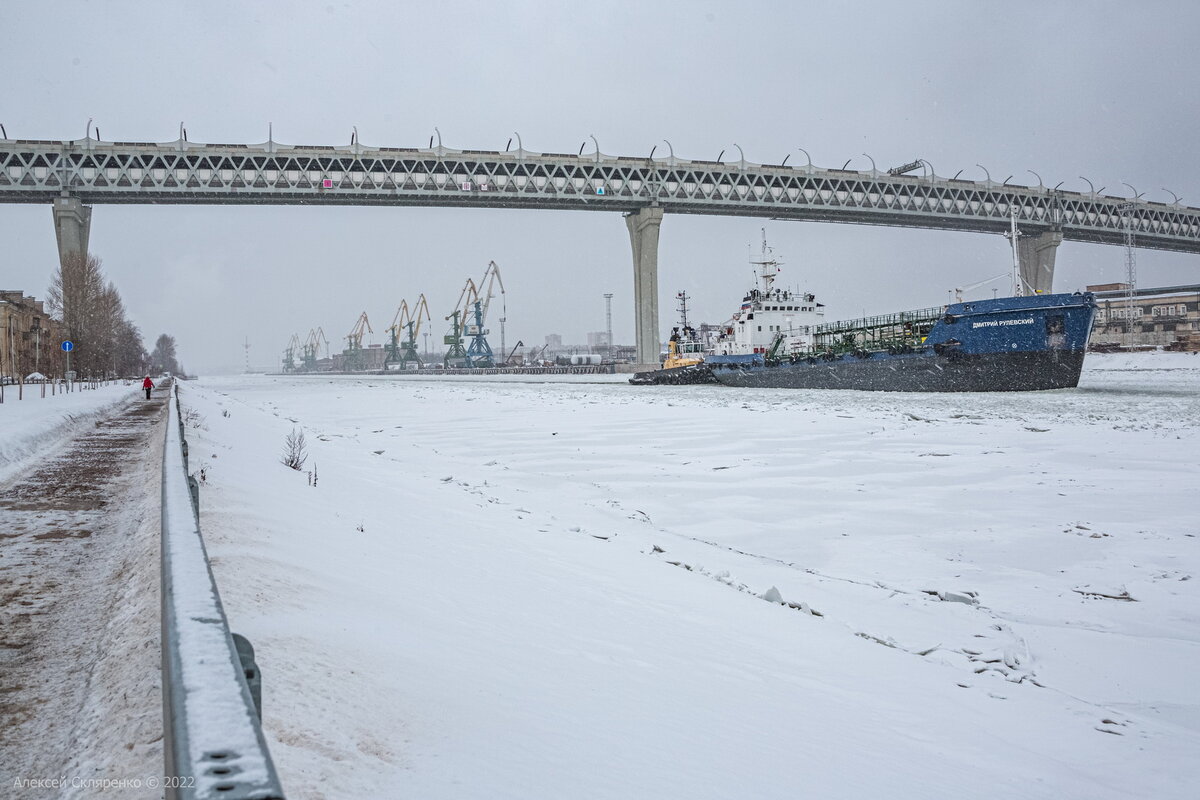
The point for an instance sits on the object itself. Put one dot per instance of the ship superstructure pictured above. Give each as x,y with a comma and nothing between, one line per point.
771,316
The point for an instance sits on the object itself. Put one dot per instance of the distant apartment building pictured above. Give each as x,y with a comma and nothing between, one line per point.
29,339
1161,317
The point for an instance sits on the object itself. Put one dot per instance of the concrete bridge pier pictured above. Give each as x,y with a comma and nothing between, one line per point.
72,226
1035,255
643,235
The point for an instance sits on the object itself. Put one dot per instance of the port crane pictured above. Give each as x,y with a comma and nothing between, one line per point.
289,355
487,291
355,360
312,349
469,320
404,352
467,307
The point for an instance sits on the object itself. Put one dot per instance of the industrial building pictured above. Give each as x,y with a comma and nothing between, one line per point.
1167,316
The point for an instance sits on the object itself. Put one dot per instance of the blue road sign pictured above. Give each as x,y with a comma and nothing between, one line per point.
68,346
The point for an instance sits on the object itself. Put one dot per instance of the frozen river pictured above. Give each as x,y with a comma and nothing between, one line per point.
543,589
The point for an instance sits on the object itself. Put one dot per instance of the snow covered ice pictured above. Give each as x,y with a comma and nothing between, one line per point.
532,589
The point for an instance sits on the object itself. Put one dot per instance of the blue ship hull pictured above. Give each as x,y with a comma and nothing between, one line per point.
1004,345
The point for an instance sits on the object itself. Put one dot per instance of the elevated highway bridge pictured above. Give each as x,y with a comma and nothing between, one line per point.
76,175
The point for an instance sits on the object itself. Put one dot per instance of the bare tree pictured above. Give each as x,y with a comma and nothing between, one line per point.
162,359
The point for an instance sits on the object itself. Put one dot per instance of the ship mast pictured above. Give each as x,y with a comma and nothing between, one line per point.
1014,235
768,264
683,298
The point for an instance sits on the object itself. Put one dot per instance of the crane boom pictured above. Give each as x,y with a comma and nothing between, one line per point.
420,308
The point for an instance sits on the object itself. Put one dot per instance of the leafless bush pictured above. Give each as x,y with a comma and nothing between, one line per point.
295,451
193,419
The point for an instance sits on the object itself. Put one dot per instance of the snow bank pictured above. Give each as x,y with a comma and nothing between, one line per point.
30,426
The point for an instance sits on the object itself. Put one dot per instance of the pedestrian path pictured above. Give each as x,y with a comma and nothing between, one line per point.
79,642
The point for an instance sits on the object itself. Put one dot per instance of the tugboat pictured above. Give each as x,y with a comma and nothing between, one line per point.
684,361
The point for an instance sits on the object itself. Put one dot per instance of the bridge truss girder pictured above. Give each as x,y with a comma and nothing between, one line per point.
192,173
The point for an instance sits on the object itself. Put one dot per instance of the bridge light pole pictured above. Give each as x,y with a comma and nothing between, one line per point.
985,172
520,147
742,163
88,135
593,138
932,174
1178,199
874,171
807,156
1136,195
1090,186
671,150
1039,177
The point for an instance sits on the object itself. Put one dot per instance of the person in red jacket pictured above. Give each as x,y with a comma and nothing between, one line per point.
147,384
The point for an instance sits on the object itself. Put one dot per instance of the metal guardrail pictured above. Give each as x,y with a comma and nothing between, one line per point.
213,743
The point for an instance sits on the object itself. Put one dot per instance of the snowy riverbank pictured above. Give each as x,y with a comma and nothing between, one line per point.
537,590
32,426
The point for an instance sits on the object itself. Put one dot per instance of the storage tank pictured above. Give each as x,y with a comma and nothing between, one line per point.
586,359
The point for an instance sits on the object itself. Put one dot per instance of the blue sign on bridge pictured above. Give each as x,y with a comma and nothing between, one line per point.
68,346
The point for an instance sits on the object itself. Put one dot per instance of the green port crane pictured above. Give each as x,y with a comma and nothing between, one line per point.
456,353
404,352
355,360
312,349
289,355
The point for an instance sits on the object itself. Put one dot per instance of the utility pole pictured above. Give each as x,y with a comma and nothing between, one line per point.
608,296
1131,309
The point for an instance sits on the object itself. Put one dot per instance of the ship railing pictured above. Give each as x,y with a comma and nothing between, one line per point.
881,321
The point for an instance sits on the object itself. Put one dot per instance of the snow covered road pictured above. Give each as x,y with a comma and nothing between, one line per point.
520,589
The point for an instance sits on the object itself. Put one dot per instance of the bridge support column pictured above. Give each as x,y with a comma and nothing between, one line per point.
72,226
643,235
1035,254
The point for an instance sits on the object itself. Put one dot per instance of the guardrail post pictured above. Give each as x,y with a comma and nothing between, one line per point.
245,652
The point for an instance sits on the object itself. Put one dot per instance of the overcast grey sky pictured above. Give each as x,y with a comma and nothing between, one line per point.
1106,90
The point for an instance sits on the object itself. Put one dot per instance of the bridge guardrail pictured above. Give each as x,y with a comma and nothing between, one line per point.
213,742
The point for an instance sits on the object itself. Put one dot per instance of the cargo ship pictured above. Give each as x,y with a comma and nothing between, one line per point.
778,339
